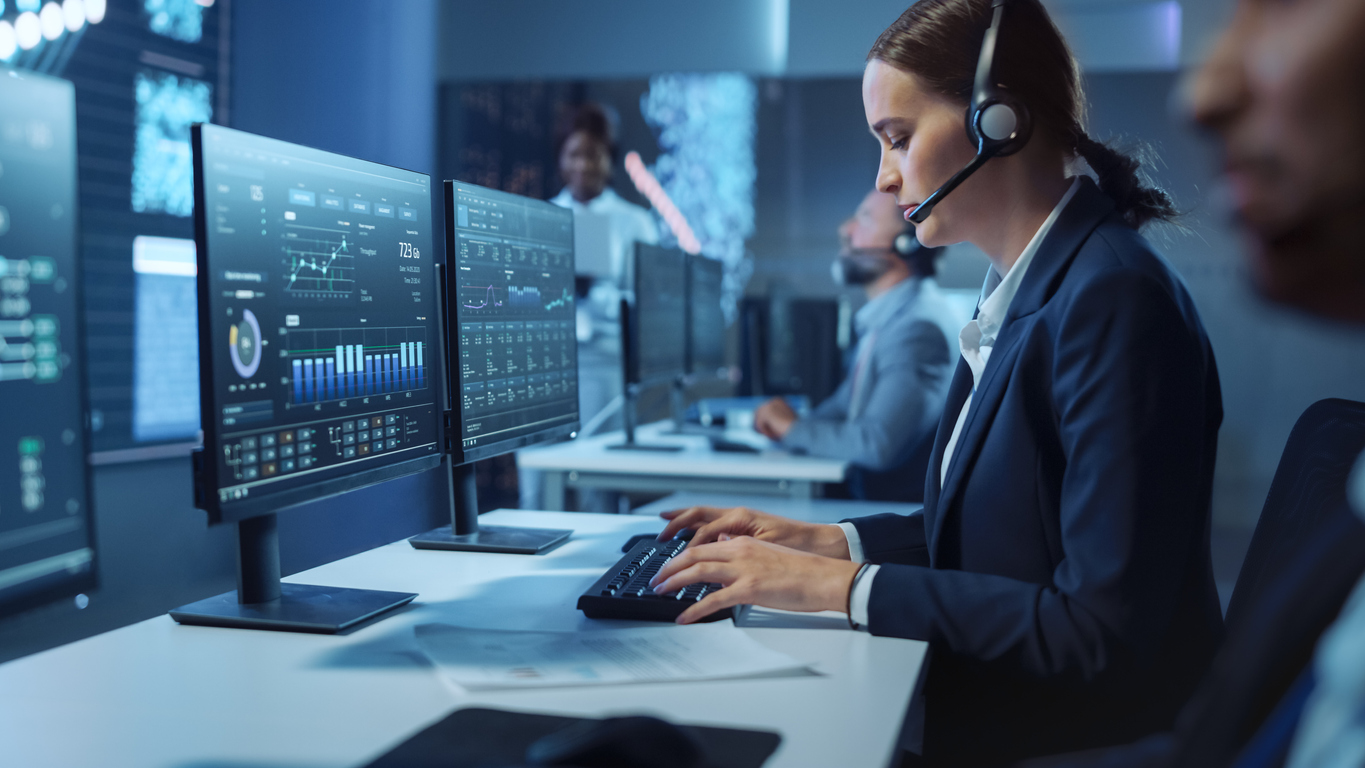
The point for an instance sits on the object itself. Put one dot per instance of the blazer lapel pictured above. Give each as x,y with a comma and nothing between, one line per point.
1088,207
958,390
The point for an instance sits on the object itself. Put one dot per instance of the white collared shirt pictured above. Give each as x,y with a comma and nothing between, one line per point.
977,339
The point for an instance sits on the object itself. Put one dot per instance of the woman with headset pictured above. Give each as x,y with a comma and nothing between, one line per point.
1060,570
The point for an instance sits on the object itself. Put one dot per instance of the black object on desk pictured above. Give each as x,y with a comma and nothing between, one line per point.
623,592
493,737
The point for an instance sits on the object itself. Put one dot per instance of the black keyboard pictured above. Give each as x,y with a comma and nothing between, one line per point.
623,592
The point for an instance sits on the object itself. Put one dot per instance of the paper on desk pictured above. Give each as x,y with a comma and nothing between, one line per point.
484,659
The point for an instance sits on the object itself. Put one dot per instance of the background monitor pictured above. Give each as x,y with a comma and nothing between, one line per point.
705,319
656,347
510,264
47,547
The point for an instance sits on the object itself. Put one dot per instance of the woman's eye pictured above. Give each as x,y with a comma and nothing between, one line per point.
900,143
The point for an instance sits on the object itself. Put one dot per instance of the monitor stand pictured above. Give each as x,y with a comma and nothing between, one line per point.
261,601
464,534
628,421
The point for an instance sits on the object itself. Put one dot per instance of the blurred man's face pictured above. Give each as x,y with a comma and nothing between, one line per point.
1285,91
874,226
585,164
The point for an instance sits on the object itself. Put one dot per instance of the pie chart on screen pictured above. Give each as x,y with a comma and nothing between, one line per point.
245,341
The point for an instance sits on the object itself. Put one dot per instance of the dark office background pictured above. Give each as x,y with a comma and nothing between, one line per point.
381,81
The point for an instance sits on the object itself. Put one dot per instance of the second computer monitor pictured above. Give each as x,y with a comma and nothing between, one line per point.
656,343
512,319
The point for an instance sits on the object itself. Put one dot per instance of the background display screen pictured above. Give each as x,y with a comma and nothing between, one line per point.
513,310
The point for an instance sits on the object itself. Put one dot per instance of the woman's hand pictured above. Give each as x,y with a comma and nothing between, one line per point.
757,572
711,522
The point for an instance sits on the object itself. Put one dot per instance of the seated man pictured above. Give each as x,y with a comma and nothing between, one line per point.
882,417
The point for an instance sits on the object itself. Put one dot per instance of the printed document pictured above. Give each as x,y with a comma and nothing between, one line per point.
486,659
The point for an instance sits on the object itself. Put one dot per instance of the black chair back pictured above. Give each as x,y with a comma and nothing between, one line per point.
1309,484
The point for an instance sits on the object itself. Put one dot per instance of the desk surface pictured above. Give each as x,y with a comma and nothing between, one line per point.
806,510
592,454
159,695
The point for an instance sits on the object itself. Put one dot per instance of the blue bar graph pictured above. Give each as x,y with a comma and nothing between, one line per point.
376,361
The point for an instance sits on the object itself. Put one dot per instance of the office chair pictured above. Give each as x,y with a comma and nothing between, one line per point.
1309,483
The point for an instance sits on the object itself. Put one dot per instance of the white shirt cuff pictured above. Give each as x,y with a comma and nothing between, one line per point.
862,595
855,542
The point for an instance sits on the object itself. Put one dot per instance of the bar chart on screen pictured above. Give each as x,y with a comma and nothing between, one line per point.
337,364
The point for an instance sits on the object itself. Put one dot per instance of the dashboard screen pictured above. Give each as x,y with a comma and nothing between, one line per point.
46,541
511,267
317,320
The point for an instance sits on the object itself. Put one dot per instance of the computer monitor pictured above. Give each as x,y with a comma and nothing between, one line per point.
512,346
705,319
653,332
656,347
47,542
319,354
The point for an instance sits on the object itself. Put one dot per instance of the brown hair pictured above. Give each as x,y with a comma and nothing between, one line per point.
940,41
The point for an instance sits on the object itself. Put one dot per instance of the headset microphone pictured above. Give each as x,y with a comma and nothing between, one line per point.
997,123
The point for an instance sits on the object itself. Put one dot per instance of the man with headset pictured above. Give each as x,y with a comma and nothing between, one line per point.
883,416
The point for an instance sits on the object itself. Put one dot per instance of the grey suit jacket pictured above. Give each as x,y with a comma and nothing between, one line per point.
899,394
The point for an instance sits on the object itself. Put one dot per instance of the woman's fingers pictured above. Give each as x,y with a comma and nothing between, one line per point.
693,517
701,572
681,520
716,601
690,556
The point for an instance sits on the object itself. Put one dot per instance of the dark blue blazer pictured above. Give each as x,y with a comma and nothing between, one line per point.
1062,573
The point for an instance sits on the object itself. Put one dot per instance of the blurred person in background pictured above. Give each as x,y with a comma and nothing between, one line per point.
883,416
1282,91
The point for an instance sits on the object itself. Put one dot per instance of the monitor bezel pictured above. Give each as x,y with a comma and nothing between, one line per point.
458,453
89,580
630,357
206,469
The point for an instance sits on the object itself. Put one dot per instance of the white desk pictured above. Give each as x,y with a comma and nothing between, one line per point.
160,695
805,510
590,463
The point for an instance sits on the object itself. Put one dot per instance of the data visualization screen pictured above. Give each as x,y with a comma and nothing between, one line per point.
317,316
658,332
46,542
511,283
705,318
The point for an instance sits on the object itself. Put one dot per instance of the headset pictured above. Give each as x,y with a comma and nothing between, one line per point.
997,123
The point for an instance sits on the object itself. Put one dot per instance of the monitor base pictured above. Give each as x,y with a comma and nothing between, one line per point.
492,538
300,608
643,447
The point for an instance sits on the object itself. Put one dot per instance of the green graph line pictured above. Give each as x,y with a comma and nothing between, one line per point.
564,300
